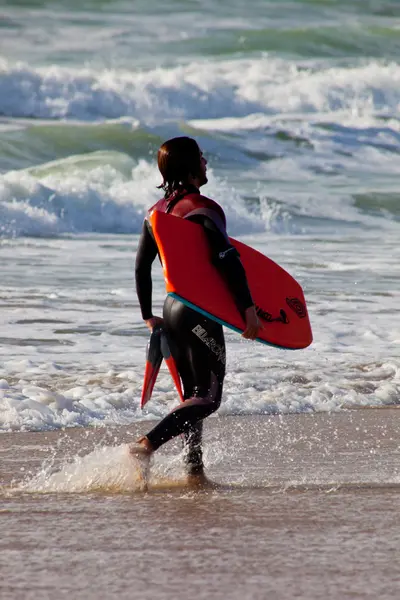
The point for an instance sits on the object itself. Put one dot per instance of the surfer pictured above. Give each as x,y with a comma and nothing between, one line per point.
197,343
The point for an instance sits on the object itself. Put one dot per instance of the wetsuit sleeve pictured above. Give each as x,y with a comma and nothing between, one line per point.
146,253
227,260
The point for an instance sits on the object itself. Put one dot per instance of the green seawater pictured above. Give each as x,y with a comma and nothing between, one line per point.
295,103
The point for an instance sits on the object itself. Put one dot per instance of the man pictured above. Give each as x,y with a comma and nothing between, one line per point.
202,370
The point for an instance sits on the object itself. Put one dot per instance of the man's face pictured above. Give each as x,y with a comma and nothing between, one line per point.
203,170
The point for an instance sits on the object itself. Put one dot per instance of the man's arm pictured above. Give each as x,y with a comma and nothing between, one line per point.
146,253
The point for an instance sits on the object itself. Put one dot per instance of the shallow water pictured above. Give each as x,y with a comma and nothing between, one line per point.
305,507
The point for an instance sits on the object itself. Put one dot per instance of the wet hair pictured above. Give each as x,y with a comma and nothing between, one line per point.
178,159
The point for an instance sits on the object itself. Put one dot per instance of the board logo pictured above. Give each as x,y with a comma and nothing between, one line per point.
297,306
266,316
263,314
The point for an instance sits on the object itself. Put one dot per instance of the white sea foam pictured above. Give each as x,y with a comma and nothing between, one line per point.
206,89
73,342
331,116
256,384
72,200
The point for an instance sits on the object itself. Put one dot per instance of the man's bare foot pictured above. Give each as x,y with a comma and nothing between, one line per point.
141,448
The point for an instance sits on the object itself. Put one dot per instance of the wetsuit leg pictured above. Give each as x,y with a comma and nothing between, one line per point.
193,444
198,347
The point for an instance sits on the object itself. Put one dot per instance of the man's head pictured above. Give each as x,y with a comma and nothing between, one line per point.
181,163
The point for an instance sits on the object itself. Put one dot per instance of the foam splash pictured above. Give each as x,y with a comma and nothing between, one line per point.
111,469
103,469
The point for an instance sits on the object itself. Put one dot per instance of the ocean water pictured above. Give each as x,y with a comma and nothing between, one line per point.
296,107
295,104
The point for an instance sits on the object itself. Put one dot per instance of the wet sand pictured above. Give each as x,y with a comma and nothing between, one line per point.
305,506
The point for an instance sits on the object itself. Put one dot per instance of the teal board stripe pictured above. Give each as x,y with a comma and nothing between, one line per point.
220,321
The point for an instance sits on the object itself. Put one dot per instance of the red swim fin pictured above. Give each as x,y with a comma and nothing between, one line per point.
171,364
153,363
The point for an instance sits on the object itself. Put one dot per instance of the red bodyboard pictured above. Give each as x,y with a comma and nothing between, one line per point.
191,277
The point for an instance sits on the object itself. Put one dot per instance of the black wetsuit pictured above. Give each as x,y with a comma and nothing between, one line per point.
197,343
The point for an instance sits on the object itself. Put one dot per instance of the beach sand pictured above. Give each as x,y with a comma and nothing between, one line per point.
305,506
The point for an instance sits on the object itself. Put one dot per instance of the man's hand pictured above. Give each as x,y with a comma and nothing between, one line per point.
154,322
252,323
